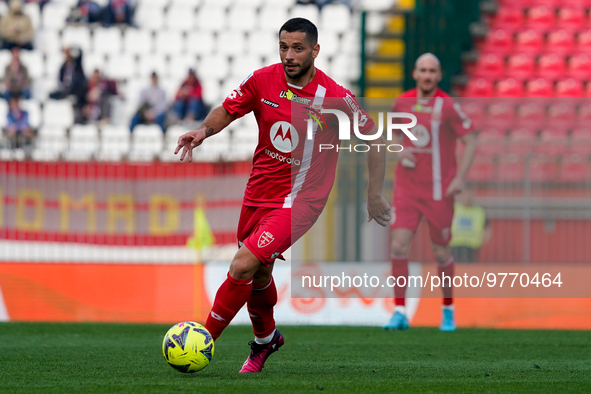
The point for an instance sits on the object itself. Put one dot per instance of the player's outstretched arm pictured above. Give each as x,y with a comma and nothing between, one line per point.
457,184
215,121
377,206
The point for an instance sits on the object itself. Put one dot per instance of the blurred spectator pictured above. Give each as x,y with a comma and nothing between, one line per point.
18,130
188,104
16,78
16,28
470,228
98,98
118,12
152,105
72,81
86,12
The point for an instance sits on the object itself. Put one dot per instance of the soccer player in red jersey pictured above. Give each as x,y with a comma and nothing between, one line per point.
290,180
427,178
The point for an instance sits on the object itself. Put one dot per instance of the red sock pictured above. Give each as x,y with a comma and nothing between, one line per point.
400,268
231,296
447,270
260,309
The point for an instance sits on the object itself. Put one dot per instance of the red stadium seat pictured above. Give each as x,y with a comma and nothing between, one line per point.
491,141
584,115
479,87
501,115
572,18
562,115
531,113
511,18
510,87
529,41
499,41
581,140
579,66
569,87
552,66
560,41
539,87
521,66
542,168
474,109
522,141
554,142
490,65
540,17
483,169
584,41
511,168
574,168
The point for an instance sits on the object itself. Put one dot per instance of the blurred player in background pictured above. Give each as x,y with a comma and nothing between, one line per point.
290,180
427,178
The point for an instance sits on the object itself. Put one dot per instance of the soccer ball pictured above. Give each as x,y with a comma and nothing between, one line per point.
188,347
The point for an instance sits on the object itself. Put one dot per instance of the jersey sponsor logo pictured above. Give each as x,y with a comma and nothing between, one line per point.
281,158
217,317
350,101
265,239
270,103
235,92
284,136
247,78
291,96
422,135
421,108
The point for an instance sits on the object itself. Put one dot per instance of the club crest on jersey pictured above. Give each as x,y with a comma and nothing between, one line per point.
265,239
291,96
422,135
284,137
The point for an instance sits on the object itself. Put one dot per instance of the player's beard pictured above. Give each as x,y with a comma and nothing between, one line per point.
304,68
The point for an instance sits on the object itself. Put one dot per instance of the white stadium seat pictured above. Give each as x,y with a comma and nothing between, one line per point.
107,41
271,18
212,91
231,43
32,10
329,43
137,41
212,18
377,5
180,65
53,62
48,41
121,67
336,17
180,17
309,12
92,61
249,3
147,142
54,16
215,66
148,63
169,42
375,22
216,3
115,143
33,60
34,110
3,113
351,43
201,42
84,142
149,17
50,142
244,65
261,42
58,113
242,18
77,36
5,57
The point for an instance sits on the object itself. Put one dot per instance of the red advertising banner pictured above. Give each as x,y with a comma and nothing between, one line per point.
119,204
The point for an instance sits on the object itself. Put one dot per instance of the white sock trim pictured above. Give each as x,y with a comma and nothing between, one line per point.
450,307
265,340
401,309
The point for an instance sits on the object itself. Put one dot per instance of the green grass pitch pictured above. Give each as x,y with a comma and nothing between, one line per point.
112,358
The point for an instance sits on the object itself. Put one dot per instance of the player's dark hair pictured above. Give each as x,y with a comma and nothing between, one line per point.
303,25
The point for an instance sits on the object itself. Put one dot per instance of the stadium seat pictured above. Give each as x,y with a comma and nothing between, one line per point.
560,41
521,66
215,66
522,141
491,142
250,3
48,41
511,18
540,18
150,17
501,114
58,113
114,143
336,18
572,18
345,68
242,18
121,67
262,42
581,140
170,42
375,23
270,18
511,169
32,10
180,17
137,41
377,5
212,91
201,42
531,113
107,41
574,168
499,40
569,87
551,66
509,87
54,16
584,114
479,87
212,19
33,60
3,113
329,44
542,168
539,87
92,61
474,110
147,143
554,141
49,144
231,43
490,65
180,65
310,12
34,110
149,63
53,62
529,41
562,114
242,67
351,43
216,3
84,143
77,36
579,66
584,41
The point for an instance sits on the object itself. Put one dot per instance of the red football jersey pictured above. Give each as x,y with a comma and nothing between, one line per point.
287,166
440,121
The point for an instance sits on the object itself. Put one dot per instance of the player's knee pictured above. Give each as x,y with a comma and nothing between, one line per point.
243,267
442,253
399,248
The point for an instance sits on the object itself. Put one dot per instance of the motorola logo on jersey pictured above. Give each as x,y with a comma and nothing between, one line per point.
422,135
284,137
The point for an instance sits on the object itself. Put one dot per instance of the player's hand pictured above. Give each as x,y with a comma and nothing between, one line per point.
379,210
407,158
455,186
188,141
